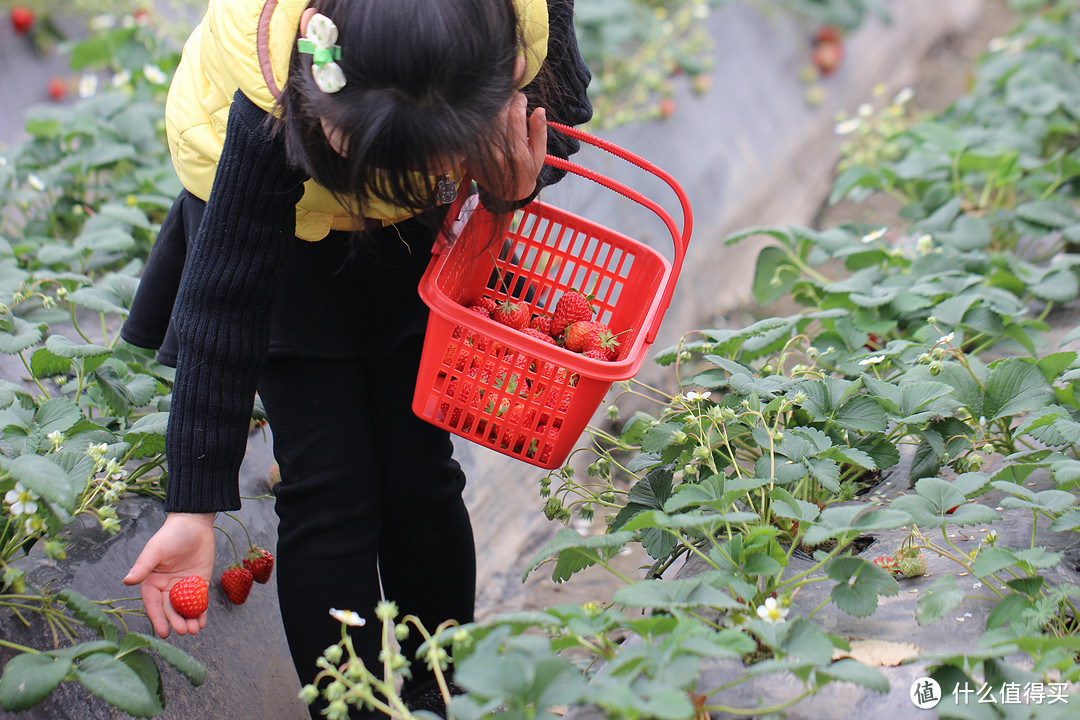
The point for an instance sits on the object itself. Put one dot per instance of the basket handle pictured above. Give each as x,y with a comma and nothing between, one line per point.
680,239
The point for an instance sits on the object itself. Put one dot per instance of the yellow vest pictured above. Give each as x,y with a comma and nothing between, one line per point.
246,45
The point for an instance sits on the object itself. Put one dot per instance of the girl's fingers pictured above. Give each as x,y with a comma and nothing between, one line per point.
153,599
538,136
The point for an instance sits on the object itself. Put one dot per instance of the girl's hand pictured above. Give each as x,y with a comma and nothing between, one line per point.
184,545
526,140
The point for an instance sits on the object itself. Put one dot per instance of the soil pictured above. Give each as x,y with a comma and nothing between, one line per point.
944,74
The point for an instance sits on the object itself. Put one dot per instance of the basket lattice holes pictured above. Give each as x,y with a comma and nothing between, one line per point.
495,393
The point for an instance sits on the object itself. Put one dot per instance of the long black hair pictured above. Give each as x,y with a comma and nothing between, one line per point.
425,81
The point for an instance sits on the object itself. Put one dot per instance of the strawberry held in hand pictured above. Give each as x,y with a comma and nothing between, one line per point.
190,596
260,563
236,582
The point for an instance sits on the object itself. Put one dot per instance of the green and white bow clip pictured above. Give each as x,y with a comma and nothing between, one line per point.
319,42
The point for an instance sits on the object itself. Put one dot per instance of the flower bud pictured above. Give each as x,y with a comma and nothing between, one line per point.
332,654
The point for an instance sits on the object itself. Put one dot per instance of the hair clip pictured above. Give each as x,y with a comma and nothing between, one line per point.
318,42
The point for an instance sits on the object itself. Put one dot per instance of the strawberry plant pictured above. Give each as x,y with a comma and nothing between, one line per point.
919,395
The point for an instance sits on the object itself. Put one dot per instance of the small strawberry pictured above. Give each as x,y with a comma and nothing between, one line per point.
512,314
911,562
572,307
887,563
190,596
236,582
22,19
57,88
481,309
485,302
260,563
597,354
667,107
601,342
826,56
541,323
827,33
574,337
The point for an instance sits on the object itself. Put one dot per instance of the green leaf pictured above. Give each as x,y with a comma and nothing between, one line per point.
853,671
940,492
88,612
686,593
658,437
774,275
1015,387
652,491
44,364
98,300
28,679
45,478
118,684
65,348
188,666
17,335
577,549
859,584
992,559
942,597
147,671
114,389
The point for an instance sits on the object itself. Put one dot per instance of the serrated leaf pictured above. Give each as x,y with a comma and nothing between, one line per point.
45,478
992,559
20,336
98,300
653,490
939,492
118,684
45,364
65,348
147,671
88,612
686,593
28,679
114,389
859,584
567,539
1015,387
941,598
183,663
852,671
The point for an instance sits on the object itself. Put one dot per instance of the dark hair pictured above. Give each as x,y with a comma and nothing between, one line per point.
424,81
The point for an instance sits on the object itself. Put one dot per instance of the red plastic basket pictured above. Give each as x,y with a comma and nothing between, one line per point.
514,393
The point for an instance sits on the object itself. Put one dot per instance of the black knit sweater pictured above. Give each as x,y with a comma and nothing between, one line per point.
222,310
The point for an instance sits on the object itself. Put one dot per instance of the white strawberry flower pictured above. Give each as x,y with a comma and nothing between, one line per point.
875,235
35,182
21,500
696,396
872,360
88,84
154,74
348,617
771,612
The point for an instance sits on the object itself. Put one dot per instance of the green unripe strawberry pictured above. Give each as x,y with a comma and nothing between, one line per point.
912,565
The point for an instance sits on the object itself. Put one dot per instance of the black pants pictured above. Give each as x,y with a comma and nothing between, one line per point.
368,490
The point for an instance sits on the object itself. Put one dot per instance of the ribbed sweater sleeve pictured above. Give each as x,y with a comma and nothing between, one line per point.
222,312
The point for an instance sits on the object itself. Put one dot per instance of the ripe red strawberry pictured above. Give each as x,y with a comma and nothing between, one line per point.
57,88
485,302
481,309
541,323
827,56
574,337
22,19
572,307
827,33
260,563
513,314
236,582
601,343
539,335
190,596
